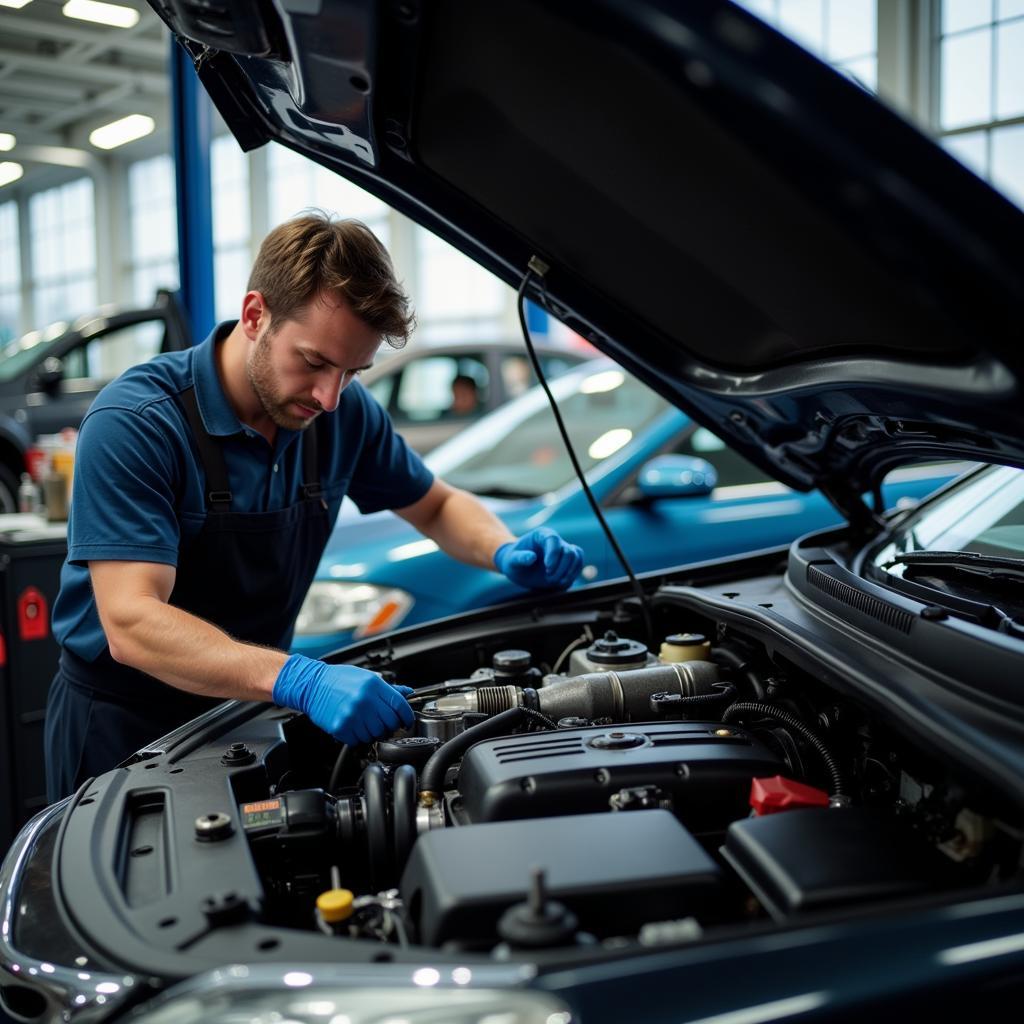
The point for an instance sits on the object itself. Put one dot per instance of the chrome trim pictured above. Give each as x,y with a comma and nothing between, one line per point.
418,993
72,993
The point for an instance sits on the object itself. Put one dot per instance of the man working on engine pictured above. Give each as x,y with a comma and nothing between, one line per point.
206,486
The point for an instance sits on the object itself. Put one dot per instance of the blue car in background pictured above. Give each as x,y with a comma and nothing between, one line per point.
668,487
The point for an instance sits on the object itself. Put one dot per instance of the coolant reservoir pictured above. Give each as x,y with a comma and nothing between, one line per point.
611,653
685,647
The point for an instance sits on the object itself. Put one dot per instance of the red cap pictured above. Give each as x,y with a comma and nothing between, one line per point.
768,796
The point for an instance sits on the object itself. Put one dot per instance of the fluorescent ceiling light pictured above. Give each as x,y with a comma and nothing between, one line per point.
16,4
103,14
9,171
125,129
7,140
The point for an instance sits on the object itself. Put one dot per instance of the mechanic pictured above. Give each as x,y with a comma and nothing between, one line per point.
206,485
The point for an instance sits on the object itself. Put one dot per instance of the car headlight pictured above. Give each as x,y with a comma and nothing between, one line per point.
332,607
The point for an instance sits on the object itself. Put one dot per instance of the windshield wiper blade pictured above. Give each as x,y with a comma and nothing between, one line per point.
993,567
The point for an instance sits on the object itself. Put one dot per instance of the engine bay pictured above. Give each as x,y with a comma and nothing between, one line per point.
590,790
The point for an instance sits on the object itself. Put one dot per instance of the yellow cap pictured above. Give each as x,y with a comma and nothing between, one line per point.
335,905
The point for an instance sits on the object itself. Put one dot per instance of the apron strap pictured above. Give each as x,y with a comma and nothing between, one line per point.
310,464
218,493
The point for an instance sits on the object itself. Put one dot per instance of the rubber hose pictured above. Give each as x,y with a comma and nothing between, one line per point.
403,802
377,821
339,767
794,723
434,771
739,664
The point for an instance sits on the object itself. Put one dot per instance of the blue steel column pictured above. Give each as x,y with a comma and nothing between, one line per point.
192,116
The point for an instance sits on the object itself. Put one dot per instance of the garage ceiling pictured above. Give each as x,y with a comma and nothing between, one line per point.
60,78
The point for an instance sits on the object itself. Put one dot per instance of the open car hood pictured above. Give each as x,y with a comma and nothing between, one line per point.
738,224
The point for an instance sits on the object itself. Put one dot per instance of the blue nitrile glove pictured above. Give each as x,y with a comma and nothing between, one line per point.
353,705
540,560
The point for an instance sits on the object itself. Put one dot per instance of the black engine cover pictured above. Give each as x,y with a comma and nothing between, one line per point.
703,768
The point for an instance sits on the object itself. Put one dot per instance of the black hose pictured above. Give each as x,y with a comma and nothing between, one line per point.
741,665
794,723
434,771
339,767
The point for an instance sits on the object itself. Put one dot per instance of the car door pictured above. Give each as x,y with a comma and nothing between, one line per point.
91,362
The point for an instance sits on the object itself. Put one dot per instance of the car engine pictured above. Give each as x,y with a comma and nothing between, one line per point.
590,789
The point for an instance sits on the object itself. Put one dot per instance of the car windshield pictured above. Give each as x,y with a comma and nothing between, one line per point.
517,451
967,548
984,514
18,355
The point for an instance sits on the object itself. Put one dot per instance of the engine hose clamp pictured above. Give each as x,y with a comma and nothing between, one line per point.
683,682
428,817
617,695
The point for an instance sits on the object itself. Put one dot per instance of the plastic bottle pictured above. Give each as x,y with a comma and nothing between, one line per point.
28,495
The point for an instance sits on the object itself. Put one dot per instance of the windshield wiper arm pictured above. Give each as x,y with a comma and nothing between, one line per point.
993,567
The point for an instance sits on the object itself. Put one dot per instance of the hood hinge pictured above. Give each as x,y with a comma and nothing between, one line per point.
852,506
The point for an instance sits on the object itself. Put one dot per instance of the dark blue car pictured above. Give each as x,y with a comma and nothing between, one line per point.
671,489
779,786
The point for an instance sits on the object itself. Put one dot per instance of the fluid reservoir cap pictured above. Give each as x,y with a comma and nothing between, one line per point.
686,639
612,649
511,662
681,647
335,905
617,740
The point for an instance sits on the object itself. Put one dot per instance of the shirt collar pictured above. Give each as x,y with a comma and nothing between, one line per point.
219,418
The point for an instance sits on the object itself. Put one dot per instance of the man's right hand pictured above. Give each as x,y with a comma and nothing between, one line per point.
352,704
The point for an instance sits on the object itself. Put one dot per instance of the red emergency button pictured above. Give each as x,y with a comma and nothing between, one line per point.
768,796
33,615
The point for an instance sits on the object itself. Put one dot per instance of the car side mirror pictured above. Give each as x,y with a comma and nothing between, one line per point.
50,374
676,476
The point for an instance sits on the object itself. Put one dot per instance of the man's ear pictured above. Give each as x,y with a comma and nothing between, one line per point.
255,315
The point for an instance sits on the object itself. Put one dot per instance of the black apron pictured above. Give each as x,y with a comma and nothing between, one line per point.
246,572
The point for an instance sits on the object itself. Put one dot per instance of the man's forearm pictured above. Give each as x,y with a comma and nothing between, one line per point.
191,654
466,529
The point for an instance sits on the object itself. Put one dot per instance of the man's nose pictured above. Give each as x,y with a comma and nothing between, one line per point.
327,390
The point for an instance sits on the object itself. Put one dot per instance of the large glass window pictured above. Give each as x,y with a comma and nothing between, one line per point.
229,183
842,32
458,299
10,273
296,184
154,229
63,240
981,99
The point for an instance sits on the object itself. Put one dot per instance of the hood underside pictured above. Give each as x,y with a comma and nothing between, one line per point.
735,222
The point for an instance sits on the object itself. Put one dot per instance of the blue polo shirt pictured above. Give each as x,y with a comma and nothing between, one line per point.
139,487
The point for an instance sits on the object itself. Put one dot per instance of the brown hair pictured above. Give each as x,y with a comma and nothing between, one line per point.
312,254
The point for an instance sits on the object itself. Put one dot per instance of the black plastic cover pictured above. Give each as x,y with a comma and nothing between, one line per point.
801,861
616,872
575,771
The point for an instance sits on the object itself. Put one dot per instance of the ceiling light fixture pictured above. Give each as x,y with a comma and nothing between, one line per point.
10,171
102,14
16,4
7,141
125,129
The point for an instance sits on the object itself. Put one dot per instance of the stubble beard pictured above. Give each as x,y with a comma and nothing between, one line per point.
261,378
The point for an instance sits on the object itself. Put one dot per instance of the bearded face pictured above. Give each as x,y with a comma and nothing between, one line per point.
265,380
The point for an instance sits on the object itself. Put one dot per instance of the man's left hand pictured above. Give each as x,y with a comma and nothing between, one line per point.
540,560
